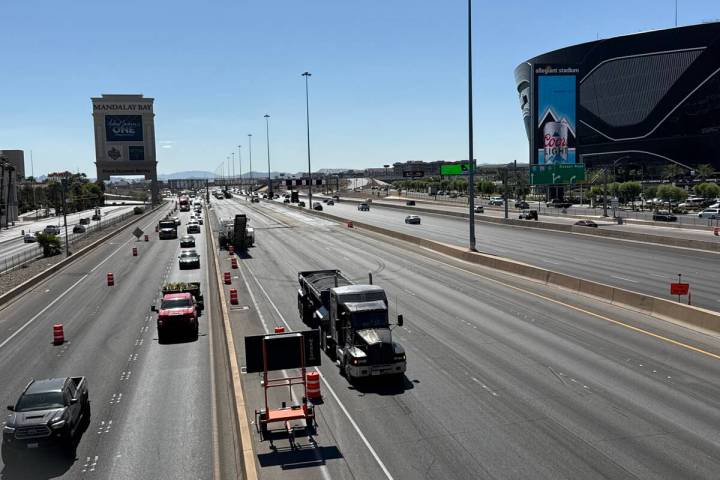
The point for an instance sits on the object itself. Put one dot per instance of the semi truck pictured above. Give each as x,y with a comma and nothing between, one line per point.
355,330
235,232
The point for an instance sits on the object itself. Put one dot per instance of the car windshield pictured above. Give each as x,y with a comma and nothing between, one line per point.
40,401
369,319
176,303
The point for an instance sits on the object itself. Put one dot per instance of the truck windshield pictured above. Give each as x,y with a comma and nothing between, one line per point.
369,319
167,224
40,401
176,303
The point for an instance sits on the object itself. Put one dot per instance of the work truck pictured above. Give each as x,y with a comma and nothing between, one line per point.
50,412
167,228
180,308
353,321
236,232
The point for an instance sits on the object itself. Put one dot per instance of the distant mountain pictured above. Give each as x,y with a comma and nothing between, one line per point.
187,174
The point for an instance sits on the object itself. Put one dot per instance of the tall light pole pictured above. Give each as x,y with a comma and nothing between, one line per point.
267,137
232,178
307,117
471,167
240,164
250,153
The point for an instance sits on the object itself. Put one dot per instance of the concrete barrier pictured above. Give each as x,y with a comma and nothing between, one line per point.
647,304
25,286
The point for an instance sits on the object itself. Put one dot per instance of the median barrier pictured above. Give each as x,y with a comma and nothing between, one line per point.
27,284
647,304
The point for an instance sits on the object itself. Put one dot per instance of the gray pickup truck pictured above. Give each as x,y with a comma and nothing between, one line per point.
48,413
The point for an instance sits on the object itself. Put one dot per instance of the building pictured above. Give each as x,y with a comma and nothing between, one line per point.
643,100
12,172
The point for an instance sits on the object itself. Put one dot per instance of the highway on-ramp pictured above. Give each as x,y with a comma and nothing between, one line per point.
505,379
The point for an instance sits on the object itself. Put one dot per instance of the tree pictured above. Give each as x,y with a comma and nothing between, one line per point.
707,190
704,171
49,243
671,193
629,191
671,171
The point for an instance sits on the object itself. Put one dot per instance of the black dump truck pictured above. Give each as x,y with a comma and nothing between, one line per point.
167,228
49,412
353,323
235,232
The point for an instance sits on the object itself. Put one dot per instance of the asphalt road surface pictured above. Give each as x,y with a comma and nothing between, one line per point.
636,266
151,404
505,379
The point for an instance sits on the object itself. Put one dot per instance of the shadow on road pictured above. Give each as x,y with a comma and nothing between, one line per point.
388,385
299,458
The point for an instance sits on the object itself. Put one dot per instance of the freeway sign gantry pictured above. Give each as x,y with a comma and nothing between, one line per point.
555,174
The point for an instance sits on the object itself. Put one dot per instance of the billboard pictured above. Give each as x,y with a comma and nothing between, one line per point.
455,168
123,128
555,127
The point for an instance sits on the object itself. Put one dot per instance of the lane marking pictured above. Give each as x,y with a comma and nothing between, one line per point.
624,278
337,399
578,309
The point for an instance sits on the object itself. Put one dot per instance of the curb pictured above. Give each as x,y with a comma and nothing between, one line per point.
24,287
243,426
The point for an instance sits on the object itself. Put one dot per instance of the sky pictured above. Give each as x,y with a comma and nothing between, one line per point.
388,84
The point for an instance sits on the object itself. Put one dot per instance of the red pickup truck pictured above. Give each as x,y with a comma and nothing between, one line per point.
177,312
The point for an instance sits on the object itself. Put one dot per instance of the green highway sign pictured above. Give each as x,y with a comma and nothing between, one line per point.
455,168
558,173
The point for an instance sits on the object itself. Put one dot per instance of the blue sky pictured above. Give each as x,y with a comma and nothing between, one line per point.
388,76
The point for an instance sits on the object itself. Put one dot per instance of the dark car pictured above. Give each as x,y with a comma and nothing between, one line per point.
522,205
96,217
364,207
479,209
555,203
336,198
412,219
29,238
49,412
193,227
665,216
301,204
410,203
188,241
189,259
85,221
330,202
79,229
586,223
317,206
287,200
254,200
528,215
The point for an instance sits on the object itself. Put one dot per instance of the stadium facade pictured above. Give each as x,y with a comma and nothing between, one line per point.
646,99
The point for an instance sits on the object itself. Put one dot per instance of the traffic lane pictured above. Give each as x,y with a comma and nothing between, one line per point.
102,331
169,405
26,308
554,395
631,265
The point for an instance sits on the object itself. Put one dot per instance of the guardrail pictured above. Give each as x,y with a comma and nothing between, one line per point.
11,262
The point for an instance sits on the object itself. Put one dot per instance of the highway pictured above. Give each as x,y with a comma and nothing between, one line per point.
152,404
505,379
636,266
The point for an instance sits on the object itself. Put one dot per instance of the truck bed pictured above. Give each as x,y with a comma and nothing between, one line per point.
323,280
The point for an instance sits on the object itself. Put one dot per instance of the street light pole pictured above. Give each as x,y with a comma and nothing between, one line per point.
232,177
240,165
471,168
307,117
250,153
267,138
64,207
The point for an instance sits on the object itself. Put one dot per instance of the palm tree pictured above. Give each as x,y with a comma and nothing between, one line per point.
704,171
671,171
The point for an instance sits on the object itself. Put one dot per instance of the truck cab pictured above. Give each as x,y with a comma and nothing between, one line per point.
177,312
167,229
360,328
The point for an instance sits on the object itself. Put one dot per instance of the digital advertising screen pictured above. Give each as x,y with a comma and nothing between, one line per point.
555,138
123,128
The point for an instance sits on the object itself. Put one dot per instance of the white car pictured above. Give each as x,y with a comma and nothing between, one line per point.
711,213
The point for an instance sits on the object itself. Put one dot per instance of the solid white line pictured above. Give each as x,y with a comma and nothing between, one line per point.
337,399
57,299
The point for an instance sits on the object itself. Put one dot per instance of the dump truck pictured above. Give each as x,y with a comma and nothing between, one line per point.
353,320
235,232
